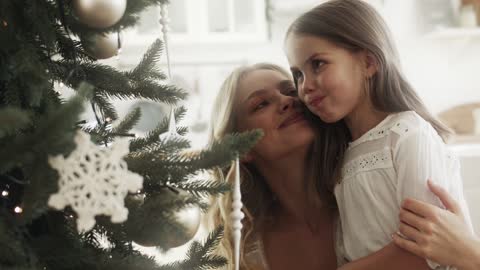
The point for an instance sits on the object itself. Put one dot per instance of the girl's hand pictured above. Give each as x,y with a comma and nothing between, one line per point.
438,234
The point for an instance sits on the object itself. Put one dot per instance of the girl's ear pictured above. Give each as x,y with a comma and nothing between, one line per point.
371,64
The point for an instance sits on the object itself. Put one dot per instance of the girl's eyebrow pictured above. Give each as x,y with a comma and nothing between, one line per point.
309,59
313,55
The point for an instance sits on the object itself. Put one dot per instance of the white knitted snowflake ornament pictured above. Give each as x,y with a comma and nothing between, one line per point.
94,181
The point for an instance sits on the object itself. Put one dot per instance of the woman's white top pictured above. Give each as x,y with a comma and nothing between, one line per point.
383,167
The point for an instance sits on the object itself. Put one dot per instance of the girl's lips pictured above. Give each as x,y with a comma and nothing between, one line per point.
315,102
297,117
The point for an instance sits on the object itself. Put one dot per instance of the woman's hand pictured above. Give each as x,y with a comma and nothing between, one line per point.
438,234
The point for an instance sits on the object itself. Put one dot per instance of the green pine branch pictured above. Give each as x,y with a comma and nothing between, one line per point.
161,148
205,188
152,136
148,64
153,90
11,246
70,49
113,83
105,106
128,122
199,255
27,151
12,120
178,166
55,129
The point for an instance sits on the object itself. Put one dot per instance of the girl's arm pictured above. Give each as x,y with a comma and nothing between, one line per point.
438,234
389,257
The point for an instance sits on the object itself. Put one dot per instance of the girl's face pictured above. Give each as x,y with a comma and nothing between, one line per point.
267,100
330,79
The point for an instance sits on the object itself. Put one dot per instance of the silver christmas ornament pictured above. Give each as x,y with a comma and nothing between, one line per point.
145,231
99,13
102,46
190,218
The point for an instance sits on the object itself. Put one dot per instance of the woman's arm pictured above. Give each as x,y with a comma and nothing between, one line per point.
438,234
389,257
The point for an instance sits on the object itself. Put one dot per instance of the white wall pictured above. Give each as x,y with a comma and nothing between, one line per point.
441,63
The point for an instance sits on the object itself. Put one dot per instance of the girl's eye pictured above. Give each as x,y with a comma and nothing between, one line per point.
317,64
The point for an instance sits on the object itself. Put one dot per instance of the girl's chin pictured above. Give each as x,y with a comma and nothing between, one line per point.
325,115
330,120
328,117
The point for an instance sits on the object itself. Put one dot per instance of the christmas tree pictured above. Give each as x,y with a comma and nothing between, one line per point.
76,196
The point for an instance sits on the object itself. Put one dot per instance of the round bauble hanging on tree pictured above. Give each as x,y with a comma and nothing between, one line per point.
103,46
190,218
147,227
99,13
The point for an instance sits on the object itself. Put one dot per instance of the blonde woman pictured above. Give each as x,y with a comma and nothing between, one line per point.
290,215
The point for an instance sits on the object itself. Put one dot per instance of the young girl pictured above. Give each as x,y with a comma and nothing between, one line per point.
346,69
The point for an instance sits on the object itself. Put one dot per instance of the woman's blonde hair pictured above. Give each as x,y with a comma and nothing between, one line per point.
223,122
257,197
355,25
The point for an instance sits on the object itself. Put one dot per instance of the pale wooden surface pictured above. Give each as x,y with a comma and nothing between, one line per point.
464,139
460,118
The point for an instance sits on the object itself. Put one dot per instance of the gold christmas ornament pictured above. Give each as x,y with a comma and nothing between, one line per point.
99,13
102,46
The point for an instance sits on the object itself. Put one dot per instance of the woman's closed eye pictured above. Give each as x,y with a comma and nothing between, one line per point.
260,105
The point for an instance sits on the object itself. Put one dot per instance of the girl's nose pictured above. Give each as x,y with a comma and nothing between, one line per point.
308,85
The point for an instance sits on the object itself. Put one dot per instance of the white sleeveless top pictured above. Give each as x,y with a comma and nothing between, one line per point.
383,167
